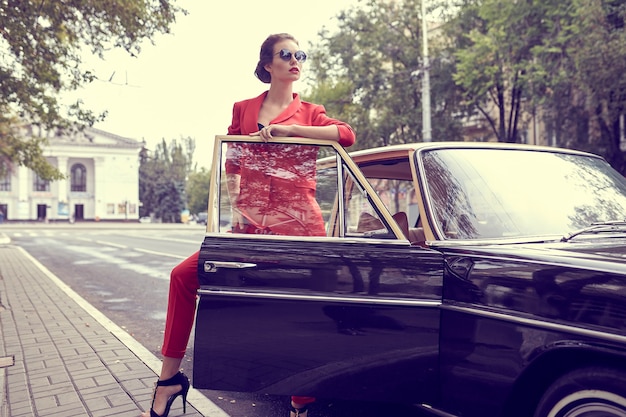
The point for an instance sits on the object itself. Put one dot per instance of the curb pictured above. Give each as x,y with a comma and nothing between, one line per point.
195,399
198,401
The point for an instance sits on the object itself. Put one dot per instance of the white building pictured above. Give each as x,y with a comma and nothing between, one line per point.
102,181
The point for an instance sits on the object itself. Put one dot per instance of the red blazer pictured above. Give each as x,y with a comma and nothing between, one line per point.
278,182
246,117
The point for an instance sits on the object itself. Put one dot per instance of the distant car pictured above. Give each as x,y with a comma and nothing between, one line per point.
468,279
201,218
145,219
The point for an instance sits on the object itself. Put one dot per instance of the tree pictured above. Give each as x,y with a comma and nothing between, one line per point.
598,52
42,43
198,190
493,44
562,62
162,178
368,73
17,150
552,92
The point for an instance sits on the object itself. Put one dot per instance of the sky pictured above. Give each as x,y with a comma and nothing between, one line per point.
185,85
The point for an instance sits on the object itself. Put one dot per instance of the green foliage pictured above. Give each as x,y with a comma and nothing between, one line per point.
198,190
598,54
15,151
493,55
162,178
561,62
368,73
42,43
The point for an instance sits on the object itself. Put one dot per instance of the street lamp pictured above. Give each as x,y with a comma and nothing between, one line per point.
426,129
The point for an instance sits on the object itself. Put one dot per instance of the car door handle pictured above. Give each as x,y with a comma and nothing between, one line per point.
212,266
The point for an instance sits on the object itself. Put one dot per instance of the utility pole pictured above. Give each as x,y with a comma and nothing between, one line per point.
426,129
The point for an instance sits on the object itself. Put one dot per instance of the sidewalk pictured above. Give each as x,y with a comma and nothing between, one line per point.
59,356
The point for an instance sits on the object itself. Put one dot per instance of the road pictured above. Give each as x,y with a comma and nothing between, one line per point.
122,269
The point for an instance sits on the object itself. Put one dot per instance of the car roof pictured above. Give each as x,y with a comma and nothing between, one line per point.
385,161
394,151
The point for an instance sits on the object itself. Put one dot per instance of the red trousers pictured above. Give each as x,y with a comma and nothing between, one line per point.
181,307
181,311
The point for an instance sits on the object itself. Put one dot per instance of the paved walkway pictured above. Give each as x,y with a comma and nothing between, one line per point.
59,356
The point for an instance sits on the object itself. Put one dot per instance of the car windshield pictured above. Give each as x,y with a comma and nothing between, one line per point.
506,193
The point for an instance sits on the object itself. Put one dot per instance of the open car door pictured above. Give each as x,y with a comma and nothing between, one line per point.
348,309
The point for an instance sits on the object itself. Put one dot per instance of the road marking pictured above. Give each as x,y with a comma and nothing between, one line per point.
115,245
152,252
198,241
148,251
7,361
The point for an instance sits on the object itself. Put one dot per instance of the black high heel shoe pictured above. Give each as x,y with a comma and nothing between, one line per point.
178,379
299,412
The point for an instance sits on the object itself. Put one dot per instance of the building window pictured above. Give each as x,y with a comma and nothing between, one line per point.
79,177
40,184
5,183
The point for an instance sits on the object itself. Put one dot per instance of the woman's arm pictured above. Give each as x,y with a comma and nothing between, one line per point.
311,121
330,132
341,133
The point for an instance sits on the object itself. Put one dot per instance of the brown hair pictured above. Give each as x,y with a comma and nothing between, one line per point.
266,55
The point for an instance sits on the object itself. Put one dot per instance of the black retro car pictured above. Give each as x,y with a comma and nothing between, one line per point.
467,279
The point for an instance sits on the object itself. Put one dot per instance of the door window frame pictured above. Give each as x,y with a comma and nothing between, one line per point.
348,175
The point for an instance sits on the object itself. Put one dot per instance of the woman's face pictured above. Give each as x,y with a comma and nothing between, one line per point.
285,70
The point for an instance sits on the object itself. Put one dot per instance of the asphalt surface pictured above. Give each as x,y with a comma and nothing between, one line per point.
61,356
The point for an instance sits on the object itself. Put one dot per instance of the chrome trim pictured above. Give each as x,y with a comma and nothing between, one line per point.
564,328
499,241
419,146
213,266
338,299
341,155
334,239
341,188
213,210
434,411
550,260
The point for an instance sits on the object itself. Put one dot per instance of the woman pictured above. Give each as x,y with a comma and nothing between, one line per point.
276,112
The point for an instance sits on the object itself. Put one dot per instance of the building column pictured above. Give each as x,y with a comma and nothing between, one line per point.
62,209
24,189
62,166
99,192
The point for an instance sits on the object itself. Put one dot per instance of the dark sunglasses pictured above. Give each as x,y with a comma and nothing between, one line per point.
285,55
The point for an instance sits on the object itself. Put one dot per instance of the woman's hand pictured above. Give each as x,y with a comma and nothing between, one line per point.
269,131
330,132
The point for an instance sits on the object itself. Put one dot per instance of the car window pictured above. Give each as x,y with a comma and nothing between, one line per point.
399,196
361,217
480,193
278,189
